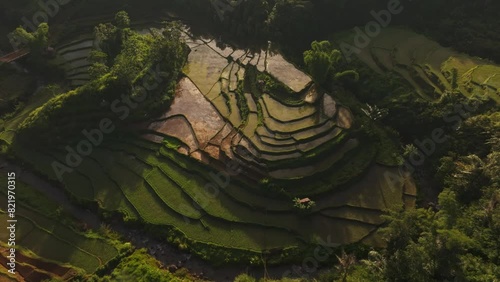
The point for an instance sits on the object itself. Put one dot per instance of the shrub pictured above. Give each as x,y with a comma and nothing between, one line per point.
244,278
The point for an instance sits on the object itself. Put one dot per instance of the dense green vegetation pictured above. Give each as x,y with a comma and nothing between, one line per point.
314,167
139,266
321,62
37,41
16,89
468,26
43,227
455,239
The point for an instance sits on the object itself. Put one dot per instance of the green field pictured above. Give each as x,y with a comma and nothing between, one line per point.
43,235
429,67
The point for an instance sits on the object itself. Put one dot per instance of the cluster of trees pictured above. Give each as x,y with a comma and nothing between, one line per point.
456,240
455,236
37,42
469,26
134,78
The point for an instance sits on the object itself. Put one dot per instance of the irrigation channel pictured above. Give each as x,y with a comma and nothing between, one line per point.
170,256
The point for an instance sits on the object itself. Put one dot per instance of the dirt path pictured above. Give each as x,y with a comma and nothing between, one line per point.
14,56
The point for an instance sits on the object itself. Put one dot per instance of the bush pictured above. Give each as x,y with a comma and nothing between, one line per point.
244,278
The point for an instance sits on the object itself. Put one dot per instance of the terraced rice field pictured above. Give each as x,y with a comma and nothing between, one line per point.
73,56
8,130
270,131
430,68
162,187
32,268
41,235
273,139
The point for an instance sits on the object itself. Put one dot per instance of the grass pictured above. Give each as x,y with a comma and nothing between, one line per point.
171,194
79,185
150,208
221,205
222,104
7,137
388,152
280,127
162,189
43,243
37,161
23,227
284,113
33,198
76,183
35,101
14,86
312,156
239,191
139,265
358,161
367,193
235,117
227,101
430,69
251,125
354,227
260,114
204,67
308,171
353,213
249,82
229,222
246,193
106,192
43,235
341,231
154,211
337,177
242,102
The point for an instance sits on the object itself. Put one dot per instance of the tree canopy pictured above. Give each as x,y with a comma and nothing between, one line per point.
36,41
322,62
